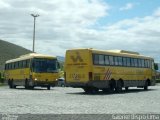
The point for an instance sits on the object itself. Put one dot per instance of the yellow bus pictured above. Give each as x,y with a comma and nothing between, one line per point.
32,70
108,70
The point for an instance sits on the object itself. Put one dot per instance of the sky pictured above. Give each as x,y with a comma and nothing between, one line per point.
132,25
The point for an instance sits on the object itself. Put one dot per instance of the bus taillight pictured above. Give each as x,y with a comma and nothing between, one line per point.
90,75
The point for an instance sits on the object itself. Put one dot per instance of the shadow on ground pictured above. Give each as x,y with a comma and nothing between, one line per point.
130,91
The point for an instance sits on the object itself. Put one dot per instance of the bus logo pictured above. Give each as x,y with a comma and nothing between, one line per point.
77,58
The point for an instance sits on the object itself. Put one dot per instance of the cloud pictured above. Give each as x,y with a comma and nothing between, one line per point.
128,6
58,21
157,12
67,24
4,5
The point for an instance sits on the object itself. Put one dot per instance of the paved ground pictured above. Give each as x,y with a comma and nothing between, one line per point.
65,100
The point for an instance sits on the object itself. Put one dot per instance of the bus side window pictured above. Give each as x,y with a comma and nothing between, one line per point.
143,65
106,60
24,63
139,63
95,59
120,61
111,60
116,60
20,64
5,66
136,62
128,62
32,65
101,59
132,62
150,64
124,61
12,65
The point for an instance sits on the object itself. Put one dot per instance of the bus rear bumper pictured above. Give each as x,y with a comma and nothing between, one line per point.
97,84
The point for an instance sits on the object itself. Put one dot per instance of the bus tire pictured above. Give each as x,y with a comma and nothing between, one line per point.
119,86
86,90
146,85
11,85
126,88
90,90
105,90
48,87
112,86
94,90
26,84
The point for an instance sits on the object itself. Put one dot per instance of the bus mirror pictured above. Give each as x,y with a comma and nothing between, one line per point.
155,66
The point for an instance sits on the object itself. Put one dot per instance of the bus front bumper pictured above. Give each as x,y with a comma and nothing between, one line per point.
45,83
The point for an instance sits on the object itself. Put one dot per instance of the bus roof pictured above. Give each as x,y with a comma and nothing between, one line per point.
29,56
116,52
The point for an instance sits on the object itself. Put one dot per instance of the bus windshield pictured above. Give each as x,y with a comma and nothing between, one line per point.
41,65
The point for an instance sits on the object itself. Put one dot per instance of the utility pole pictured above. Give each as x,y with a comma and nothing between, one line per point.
34,15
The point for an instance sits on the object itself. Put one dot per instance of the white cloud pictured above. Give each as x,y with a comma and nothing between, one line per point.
157,12
66,24
128,6
4,5
58,22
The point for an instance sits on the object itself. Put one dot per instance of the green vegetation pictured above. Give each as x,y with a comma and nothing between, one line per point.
1,77
10,51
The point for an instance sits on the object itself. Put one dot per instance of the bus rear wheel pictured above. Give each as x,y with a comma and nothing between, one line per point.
105,90
91,90
146,85
126,88
26,84
11,84
119,87
48,87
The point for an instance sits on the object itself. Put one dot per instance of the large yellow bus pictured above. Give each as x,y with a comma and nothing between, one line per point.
32,70
105,70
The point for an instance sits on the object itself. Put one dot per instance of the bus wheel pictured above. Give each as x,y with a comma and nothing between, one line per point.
11,84
86,90
26,84
126,88
91,90
105,90
119,86
146,85
48,87
94,90
111,88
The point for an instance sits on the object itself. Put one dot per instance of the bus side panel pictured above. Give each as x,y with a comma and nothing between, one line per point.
130,76
18,75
